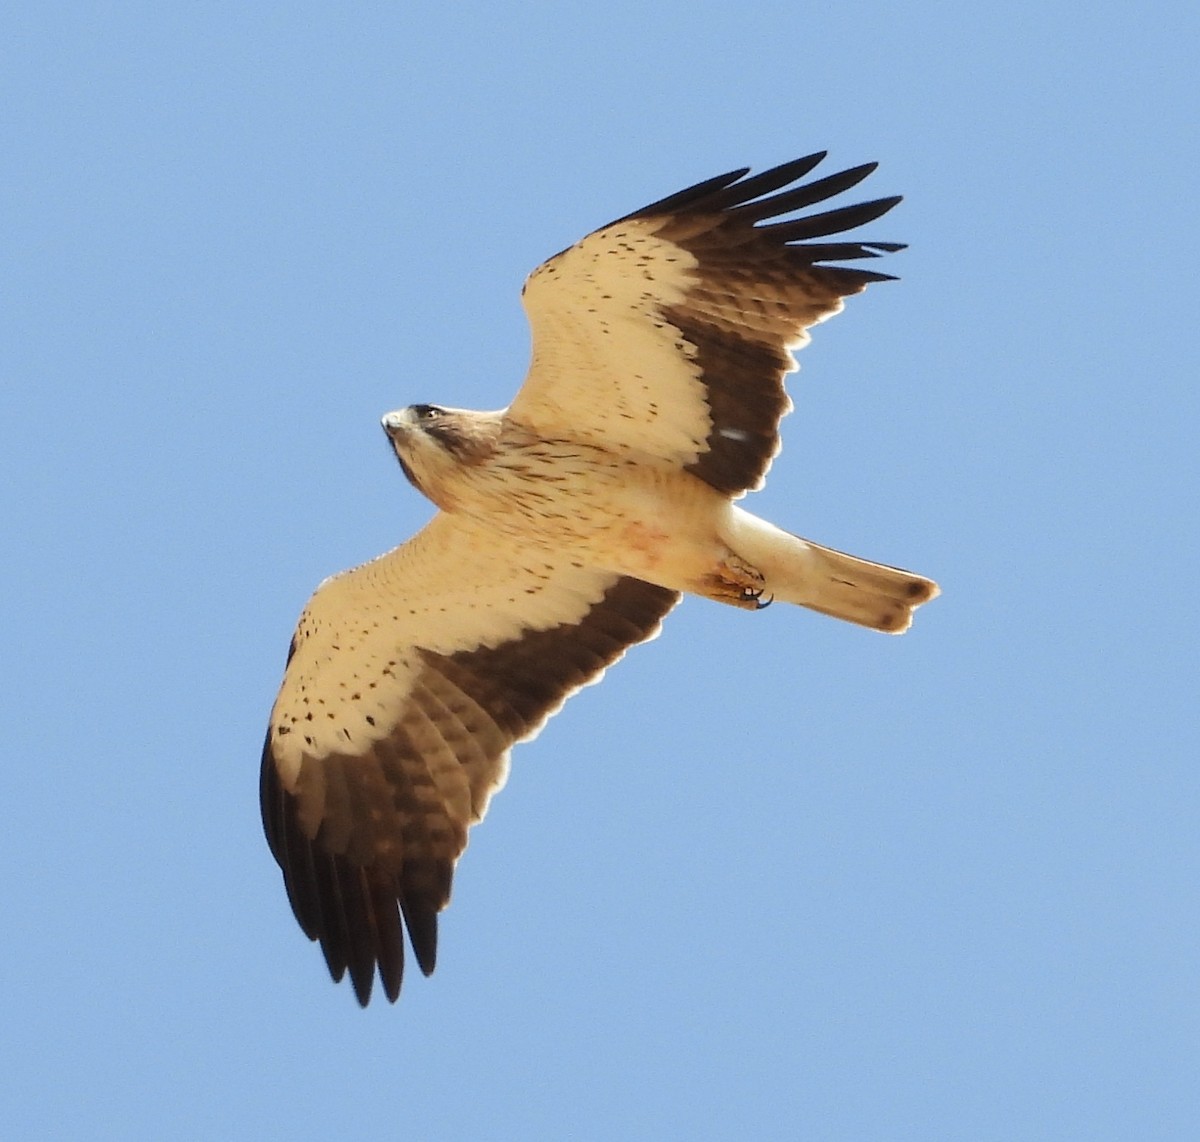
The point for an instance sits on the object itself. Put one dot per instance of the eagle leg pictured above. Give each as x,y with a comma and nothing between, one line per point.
736,582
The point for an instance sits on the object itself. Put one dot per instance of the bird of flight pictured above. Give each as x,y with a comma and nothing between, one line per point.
569,525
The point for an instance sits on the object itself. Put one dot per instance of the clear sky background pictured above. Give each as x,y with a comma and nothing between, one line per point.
777,877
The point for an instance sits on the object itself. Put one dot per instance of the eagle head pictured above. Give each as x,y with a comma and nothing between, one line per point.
435,445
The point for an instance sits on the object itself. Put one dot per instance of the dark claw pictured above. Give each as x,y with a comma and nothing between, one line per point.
756,597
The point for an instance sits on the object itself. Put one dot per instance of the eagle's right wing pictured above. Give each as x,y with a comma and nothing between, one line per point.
408,680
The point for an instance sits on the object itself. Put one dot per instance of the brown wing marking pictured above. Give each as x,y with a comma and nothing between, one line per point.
758,288
368,842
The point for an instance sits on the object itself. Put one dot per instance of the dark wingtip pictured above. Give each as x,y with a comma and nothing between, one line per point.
748,200
422,923
362,986
689,196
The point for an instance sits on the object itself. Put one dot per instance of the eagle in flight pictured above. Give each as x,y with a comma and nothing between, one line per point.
569,524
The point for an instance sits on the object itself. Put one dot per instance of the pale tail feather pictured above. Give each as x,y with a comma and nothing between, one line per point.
831,582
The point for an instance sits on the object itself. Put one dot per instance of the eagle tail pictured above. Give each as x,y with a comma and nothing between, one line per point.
799,571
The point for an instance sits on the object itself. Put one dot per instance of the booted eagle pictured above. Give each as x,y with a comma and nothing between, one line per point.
569,525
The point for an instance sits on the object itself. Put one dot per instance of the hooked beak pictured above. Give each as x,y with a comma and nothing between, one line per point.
397,423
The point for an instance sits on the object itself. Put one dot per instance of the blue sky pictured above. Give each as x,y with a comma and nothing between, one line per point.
777,877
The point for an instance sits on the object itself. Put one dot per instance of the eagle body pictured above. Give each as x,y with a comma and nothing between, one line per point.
569,525
623,511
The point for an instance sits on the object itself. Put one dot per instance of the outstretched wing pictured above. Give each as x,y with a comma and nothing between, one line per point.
668,331
408,681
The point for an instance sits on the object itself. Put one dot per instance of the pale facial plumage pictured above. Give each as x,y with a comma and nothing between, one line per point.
433,443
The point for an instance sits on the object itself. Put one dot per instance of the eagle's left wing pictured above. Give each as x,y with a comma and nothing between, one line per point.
409,679
668,332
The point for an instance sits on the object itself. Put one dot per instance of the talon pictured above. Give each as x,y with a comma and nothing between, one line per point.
755,595
737,582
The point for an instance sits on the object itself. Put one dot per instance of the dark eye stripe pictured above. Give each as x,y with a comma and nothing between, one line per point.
444,433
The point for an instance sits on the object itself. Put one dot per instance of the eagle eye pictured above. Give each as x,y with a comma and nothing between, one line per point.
427,411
